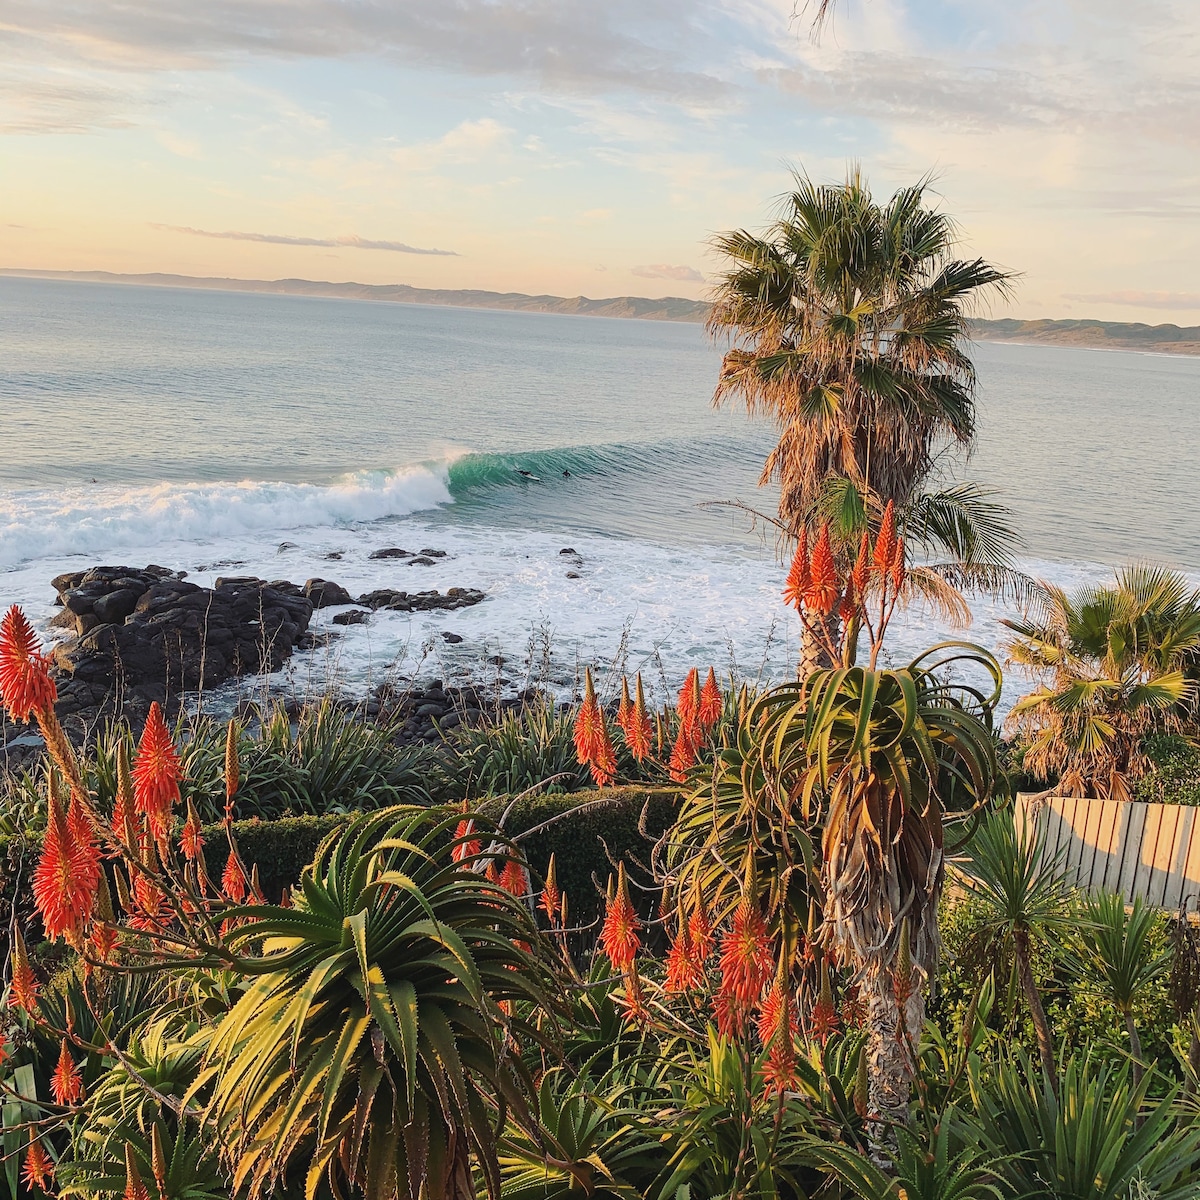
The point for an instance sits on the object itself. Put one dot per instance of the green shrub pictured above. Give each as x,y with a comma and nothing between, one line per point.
591,831
1174,777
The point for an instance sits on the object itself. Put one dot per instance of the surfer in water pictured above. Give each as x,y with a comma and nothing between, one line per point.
527,474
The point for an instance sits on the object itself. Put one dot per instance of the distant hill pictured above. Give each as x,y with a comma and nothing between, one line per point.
1112,335
670,308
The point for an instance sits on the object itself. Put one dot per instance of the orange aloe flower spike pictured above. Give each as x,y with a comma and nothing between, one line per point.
233,879
640,732
619,934
823,587
885,543
64,886
25,684
798,577
551,898
711,701
683,755
38,1170
24,988
67,1081
157,773
861,575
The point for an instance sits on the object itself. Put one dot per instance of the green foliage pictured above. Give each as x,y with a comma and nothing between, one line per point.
1174,774
523,748
1103,1140
368,1045
591,832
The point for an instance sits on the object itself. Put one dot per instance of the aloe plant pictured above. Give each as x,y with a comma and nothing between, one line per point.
369,1046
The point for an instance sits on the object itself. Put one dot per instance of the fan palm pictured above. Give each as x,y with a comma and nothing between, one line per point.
369,1046
1022,897
847,322
1117,660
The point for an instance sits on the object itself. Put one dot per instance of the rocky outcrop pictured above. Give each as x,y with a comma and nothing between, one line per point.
398,601
145,635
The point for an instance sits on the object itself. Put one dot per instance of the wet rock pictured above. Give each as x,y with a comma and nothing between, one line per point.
325,594
356,616
569,550
333,556
114,607
285,546
401,601
420,561
433,553
574,575
452,639
390,552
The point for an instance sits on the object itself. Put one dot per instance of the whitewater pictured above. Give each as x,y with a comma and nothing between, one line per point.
290,438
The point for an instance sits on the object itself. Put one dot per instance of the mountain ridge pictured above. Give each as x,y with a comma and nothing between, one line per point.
1080,333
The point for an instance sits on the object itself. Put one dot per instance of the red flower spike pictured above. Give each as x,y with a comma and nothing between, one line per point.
711,701
148,900
66,1083
683,755
135,1189
24,988
746,959
700,931
847,607
465,847
551,898
157,773
190,841
618,936
776,1029
87,853
104,942
689,702
25,684
885,543
233,879
823,586
625,708
515,879
799,578
38,1170
824,1016
592,743
639,731
64,883
684,968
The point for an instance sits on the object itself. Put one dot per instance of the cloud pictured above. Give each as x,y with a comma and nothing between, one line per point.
562,44
666,271
1135,299
465,143
352,240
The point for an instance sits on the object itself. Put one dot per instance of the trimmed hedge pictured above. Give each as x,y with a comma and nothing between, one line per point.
590,831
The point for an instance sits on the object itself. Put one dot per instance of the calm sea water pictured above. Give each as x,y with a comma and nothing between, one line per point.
201,428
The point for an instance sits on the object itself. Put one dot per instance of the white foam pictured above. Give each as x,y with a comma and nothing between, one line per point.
100,520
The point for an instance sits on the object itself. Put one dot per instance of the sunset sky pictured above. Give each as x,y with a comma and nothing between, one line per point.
593,146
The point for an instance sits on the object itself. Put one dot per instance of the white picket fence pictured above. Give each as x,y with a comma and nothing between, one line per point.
1146,850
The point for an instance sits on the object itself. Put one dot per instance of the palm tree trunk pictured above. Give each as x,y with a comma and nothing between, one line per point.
1033,999
889,1065
814,654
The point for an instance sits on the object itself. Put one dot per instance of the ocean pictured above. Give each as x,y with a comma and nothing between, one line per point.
231,433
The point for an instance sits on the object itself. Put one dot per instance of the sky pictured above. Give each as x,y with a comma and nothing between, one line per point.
595,146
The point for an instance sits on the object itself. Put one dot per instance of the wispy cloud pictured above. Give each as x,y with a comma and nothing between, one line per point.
351,240
1135,299
666,271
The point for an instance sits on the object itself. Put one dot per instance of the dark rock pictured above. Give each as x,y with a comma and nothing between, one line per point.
285,546
356,616
431,709
574,575
452,638
113,608
64,583
333,556
324,594
175,636
236,580
390,552
433,553
420,561
420,601
65,620
450,721
569,550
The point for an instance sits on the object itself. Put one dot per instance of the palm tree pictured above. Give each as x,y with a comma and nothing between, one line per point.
1118,660
368,1048
847,322
1116,950
1023,897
